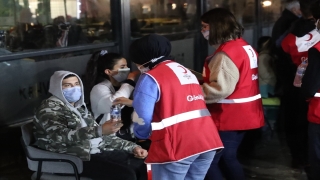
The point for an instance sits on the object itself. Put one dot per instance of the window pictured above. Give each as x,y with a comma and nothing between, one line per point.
28,25
174,19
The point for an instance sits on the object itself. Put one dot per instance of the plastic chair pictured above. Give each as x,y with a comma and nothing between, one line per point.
49,165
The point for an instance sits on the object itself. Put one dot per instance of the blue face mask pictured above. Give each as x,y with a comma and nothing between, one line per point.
72,94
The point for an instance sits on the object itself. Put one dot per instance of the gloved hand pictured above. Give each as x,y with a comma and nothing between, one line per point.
136,119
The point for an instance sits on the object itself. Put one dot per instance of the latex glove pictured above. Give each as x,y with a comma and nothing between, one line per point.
136,119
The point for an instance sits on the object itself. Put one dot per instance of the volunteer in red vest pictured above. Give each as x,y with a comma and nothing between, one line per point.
169,101
231,89
311,90
302,36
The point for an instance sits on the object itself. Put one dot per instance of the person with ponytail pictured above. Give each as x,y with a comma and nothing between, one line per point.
108,78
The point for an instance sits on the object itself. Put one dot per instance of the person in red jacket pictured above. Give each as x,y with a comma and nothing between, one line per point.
301,37
231,89
169,101
311,91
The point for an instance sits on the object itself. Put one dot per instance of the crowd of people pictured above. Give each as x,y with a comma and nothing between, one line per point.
184,129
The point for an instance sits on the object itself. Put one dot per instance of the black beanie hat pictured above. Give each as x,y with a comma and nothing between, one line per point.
149,47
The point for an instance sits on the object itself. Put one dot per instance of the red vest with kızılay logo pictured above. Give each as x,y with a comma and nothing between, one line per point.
314,103
298,47
242,110
181,124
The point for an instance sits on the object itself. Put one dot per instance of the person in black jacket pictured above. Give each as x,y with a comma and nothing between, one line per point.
289,15
310,90
295,108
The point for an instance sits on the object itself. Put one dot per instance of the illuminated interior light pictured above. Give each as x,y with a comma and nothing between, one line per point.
266,3
174,5
185,5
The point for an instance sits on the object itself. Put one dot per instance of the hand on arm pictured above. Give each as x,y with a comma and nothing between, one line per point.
123,101
102,97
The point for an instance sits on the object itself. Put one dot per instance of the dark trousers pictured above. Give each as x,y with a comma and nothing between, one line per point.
294,113
314,150
225,163
114,165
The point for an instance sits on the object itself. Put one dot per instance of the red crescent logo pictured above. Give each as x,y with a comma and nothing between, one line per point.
185,71
309,37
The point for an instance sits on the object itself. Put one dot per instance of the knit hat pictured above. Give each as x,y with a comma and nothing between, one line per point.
149,47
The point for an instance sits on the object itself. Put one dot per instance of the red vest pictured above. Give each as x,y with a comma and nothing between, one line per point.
181,124
242,110
298,47
314,104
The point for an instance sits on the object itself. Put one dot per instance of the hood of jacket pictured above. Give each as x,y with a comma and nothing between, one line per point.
302,27
55,87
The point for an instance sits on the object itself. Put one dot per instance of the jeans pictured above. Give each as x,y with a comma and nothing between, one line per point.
226,161
314,150
192,168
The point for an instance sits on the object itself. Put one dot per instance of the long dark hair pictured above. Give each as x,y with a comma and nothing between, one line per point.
98,63
223,26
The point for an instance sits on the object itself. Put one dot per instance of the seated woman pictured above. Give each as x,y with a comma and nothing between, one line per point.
63,125
267,77
108,77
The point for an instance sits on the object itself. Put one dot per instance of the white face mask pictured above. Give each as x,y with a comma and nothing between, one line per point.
206,34
122,74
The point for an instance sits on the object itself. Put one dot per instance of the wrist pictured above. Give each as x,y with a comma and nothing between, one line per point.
135,147
130,82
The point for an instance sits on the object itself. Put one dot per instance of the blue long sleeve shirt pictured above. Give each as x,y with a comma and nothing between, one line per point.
145,96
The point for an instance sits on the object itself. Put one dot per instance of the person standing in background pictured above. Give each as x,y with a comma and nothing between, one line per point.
290,14
230,88
310,89
267,77
301,37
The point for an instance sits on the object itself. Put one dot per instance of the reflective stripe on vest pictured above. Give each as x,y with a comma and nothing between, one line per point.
241,100
317,95
179,118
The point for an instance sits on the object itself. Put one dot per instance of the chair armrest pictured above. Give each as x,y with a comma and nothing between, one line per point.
56,159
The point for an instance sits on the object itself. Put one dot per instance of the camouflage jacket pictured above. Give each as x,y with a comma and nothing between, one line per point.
58,129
